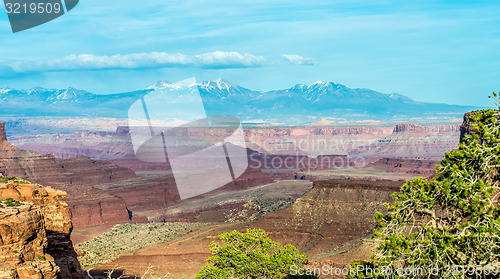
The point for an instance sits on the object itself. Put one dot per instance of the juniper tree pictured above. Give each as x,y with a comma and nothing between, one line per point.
448,226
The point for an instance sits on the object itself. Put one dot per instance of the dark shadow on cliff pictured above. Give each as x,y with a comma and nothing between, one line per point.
61,249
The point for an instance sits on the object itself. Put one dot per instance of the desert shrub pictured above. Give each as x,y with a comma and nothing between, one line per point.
249,255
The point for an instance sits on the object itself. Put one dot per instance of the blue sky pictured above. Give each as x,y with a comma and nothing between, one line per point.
434,51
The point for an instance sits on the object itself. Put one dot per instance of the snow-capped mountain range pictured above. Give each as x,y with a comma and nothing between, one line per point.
300,104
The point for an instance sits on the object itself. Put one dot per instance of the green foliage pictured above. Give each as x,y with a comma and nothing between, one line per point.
453,219
21,182
7,179
9,202
250,255
13,179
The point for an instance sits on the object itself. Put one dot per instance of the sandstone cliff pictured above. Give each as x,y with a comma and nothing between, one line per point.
35,228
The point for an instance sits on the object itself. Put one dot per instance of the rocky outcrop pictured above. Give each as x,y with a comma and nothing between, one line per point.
466,127
35,228
3,135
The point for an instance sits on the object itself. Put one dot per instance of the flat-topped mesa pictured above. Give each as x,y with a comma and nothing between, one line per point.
408,128
3,135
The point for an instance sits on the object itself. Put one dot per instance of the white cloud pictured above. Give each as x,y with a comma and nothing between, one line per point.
299,60
232,59
216,59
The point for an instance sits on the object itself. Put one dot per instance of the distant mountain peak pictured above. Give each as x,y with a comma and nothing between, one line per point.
38,90
69,94
319,84
220,84
399,97
325,83
5,90
160,85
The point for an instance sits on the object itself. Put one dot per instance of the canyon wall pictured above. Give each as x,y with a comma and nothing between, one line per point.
35,228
